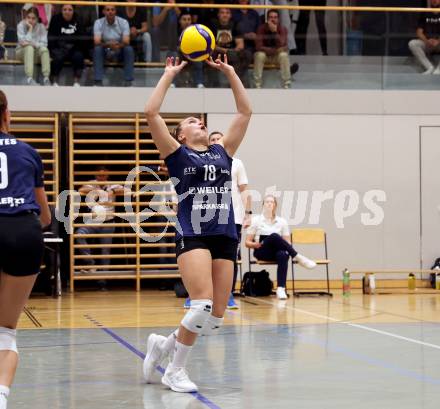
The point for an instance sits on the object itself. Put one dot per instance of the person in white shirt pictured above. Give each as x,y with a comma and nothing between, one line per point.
269,236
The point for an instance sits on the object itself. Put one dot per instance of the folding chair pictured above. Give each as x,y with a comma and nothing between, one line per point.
311,236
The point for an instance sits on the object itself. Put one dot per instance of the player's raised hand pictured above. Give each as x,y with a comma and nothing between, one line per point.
220,65
174,65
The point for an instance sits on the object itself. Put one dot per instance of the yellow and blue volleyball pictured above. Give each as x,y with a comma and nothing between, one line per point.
197,42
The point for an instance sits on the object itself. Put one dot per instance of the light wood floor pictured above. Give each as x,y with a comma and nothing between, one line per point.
129,309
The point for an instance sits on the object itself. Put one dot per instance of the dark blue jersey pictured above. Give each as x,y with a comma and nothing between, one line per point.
21,171
203,184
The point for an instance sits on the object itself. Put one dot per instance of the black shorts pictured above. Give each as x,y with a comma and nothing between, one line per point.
21,244
220,247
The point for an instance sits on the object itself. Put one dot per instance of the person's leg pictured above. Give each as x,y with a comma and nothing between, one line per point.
419,50
98,62
155,40
44,59
301,29
147,47
284,62
27,55
58,58
259,60
282,259
195,267
14,292
320,24
105,241
234,281
77,59
84,250
127,56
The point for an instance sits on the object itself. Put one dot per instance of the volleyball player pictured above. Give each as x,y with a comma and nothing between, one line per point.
206,246
23,211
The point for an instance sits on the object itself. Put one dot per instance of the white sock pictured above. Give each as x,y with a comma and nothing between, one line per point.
169,344
181,352
4,393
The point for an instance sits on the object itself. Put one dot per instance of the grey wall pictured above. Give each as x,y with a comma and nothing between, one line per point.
316,141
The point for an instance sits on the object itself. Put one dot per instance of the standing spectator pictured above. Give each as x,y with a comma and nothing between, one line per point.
112,43
272,45
45,12
32,46
195,68
140,37
65,43
303,25
164,32
2,38
229,42
428,39
247,22
105,195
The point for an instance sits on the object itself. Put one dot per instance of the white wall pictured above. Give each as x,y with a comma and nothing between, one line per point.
312,141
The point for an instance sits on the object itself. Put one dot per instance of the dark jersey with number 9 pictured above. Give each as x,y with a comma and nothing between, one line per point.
202,180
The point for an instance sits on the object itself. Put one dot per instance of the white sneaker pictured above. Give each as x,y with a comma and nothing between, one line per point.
304,261
46,82
436,71
200,86
55,84
3,402
30,81
281,293
177,380
154,356
76,85
429,71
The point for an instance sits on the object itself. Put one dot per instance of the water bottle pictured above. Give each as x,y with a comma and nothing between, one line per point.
372,283
411,281
345,283
437,281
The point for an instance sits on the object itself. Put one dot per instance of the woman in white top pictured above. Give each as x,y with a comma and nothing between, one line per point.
32,46
269,236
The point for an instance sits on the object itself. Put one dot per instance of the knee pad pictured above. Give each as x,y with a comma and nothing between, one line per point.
197,315
8,339
212,325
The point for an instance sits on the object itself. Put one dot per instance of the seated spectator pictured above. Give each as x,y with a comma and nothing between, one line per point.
195,68
230,43
247,22
269,236
164,31
2,38
32,46
45,12
271,45
103,197
11,15
139,35
112,43
66,44
428,39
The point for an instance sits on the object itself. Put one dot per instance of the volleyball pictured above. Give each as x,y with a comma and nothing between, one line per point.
197,42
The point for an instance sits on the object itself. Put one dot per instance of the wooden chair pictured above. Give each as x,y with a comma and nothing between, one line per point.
311,237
